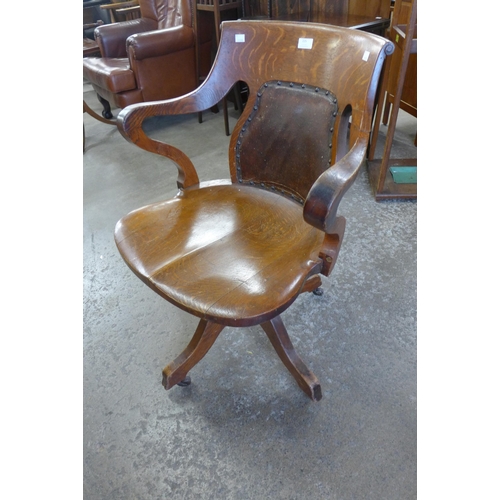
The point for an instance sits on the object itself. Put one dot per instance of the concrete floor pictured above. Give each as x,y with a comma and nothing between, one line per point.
243,429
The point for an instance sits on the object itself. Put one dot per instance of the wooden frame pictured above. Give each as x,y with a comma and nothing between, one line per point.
405,41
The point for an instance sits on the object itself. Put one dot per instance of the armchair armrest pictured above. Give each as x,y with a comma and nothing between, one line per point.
129,10
160,42
320,207
112,38
120,5
93,25
130,121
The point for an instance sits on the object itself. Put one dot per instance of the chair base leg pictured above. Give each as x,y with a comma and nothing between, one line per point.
277,334
226,116
175,373
106,112
313,284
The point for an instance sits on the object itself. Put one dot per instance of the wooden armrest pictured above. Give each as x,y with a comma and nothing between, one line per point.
130,121
93,25
120,5
320,207
125,10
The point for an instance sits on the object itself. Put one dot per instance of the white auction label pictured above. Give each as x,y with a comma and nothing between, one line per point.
305,43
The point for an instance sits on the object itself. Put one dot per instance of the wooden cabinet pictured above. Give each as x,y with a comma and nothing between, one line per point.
316,8
398,90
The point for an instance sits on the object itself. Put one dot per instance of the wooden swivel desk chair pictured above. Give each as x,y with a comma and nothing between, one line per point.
238,252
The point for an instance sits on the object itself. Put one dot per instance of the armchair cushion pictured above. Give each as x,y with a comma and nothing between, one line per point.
113,74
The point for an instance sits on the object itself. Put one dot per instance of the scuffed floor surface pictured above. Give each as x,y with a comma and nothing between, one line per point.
243,429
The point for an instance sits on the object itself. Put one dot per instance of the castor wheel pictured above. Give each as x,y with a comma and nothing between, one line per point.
318,291
185,382
107,114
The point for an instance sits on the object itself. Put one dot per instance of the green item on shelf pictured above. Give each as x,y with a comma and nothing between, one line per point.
404,175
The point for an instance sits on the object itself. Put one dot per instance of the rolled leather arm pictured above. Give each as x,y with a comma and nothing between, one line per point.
160,42
323,199
112,38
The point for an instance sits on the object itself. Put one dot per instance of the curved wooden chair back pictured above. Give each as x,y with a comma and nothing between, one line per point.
346,63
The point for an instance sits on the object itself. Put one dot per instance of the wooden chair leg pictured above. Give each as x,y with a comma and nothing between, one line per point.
313,284
226,116
238,101
203,339
387,110
277,334
214,109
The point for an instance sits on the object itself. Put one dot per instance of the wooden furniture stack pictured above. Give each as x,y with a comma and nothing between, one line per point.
216,8
120,10
398,90
346,13
90,47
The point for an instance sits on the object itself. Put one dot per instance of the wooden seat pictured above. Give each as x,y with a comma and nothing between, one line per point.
238,252
259,233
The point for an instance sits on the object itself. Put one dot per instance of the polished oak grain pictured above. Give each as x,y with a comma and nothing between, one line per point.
232,254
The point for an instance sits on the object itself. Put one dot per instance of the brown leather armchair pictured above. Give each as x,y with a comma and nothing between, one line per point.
147,59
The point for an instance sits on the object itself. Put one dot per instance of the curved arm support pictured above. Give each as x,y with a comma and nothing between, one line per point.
130,122
131,118
320,208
